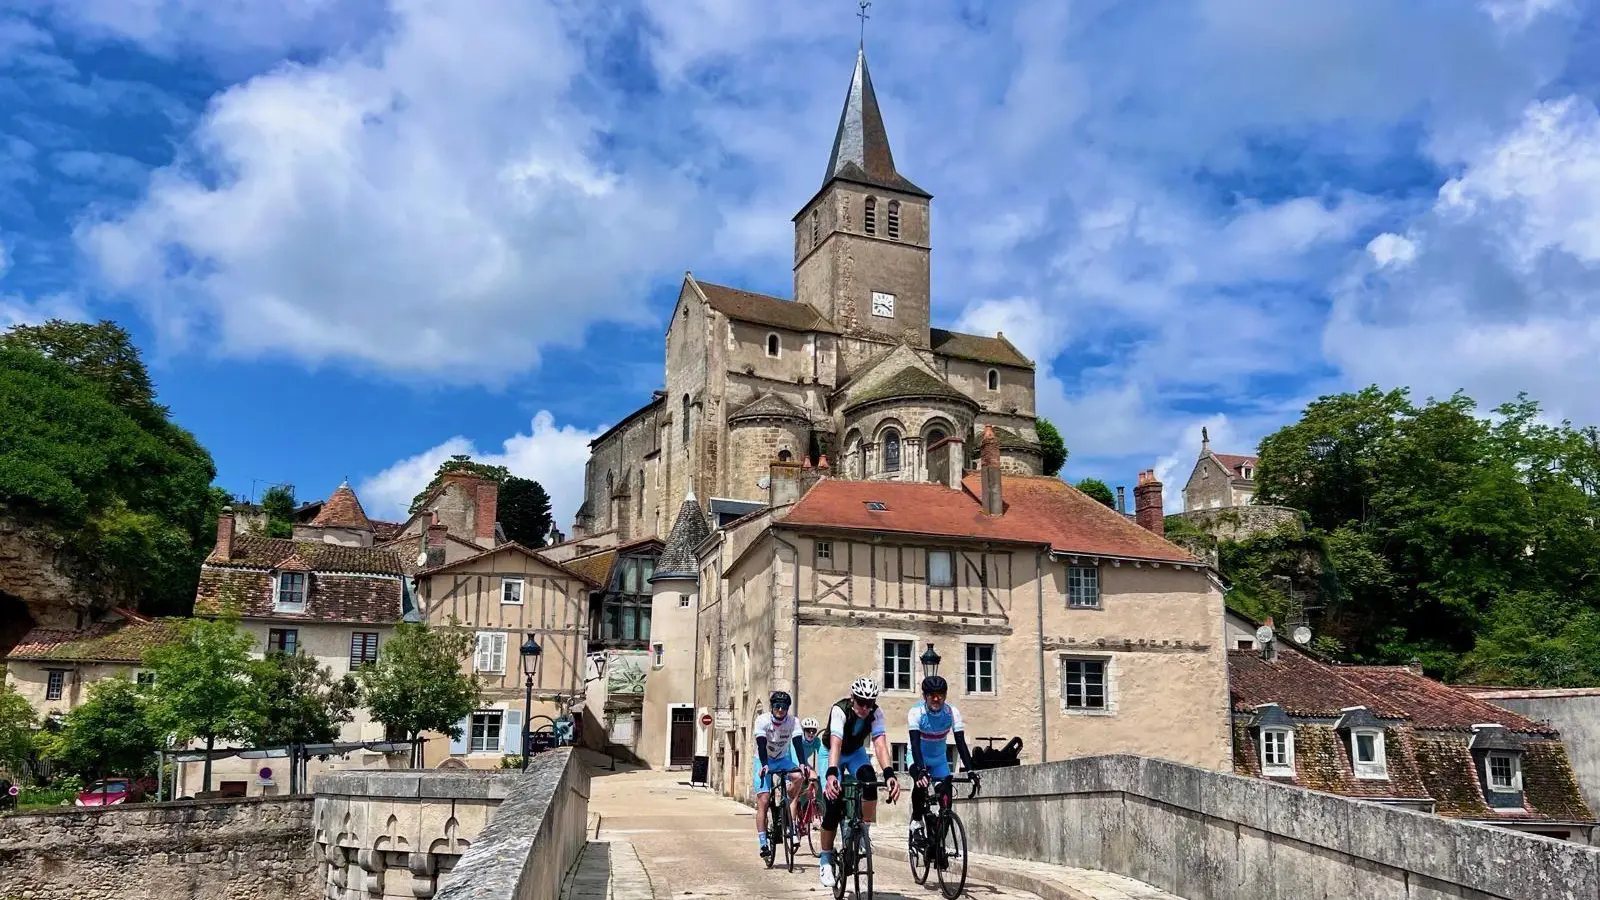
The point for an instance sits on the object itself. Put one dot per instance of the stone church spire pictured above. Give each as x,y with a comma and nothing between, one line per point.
861,145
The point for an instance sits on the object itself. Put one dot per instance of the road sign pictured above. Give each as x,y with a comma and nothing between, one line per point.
705,720
13,790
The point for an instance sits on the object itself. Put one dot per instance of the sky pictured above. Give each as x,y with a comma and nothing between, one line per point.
353,237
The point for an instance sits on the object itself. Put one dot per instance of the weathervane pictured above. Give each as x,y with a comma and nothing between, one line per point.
862,15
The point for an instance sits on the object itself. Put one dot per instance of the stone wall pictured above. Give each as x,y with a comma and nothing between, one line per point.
189,850
1236,523
1211,836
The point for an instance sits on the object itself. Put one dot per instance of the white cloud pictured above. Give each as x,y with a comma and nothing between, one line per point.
1517,14
547,453
1389,249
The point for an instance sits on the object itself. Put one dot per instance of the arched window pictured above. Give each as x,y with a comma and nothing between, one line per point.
816,227
785,456
611,485
934,436
772,345
894,220
638,501
686,420
891,451
994,379
872,215
854,466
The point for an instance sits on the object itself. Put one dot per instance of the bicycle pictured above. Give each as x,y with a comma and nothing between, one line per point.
943,847
778,821
854,846
810,814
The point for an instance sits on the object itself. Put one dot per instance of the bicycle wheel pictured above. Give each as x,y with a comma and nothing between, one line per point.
918,856
808,817
774,827
864,867
789,845
953,849
843,868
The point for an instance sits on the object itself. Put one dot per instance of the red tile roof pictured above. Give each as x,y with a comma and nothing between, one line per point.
532,554
1039,510
124,641
329,597
342,510
253,552
385,531
1234,463
763,309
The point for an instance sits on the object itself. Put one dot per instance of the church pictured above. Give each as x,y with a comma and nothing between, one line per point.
849,374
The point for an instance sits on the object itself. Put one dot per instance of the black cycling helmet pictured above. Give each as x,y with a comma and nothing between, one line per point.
935,684
780,698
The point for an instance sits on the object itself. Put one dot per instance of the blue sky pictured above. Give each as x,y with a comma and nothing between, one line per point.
354,236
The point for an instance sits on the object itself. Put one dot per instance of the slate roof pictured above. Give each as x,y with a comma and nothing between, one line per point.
343,510
769,406
253,552
861,145
762,309
688,531
1011,440
125,641
911,382
1038,510
996,350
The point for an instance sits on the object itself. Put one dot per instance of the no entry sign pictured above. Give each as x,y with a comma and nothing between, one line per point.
705,720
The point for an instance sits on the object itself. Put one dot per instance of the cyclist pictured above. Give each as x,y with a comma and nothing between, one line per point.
815,760
930,723
778,749
853,723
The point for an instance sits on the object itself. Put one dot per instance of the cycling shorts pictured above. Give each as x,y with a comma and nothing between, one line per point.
784,763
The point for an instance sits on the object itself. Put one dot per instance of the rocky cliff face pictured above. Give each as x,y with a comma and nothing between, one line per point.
35,588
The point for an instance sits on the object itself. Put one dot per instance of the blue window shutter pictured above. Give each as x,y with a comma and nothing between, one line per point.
460,744
511,735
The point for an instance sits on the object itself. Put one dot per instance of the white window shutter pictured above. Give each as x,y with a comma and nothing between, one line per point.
511,735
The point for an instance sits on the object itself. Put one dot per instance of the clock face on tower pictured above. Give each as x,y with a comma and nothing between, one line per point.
883,304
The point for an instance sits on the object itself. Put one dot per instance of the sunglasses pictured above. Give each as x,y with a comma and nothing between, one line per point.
780,706
864,704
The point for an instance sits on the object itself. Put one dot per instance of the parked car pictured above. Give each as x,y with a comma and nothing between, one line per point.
112,791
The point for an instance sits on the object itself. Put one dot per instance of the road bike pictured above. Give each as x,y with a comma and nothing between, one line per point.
810,814
778,830
852,852
942,845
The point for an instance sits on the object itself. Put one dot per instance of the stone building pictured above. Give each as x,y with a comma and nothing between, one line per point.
1058,620
52,668
1219,480
1390,735
669,737
850,368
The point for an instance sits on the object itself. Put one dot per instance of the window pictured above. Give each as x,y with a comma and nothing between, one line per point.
683,601
980,668
638,496
871,218
55,684
511,590
772,345
1083,587
1245,644
891,451
825,552
1277,752
626,619
785,456
658,655
283,640
1249,473
1505,774
685,413
486,731
491,655
894,220
994,379
292,591
896,665
816,227
877,505
941,568
1083,684
145,679
1367,754
363,648
900,754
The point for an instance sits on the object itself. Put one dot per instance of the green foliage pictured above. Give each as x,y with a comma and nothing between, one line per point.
16,730
301,701
203,689
525,511
1050,443
86,453
112,733
459,463
418,684
278,503
1099,490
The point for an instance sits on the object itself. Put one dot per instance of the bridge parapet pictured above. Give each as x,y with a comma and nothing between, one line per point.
1207,835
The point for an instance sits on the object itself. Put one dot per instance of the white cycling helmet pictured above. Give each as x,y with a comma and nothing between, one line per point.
864,688
808,724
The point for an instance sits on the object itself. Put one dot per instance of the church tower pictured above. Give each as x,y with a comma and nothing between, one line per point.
861,244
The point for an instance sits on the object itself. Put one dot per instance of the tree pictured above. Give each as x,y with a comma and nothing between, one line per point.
525,512
301,701
1051,445
460,462
278,503
203,689
1099,490
16,730
418,683
102,353
113,733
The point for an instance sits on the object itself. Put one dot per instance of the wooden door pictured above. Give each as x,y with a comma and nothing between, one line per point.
682,746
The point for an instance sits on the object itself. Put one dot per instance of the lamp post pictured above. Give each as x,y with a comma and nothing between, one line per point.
930,661
530,668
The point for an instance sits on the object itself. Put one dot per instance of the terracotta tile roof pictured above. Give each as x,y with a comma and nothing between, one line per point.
910,382
1548,783
253,552
1039,510
515,547
763,309
385,531
124,641
595,567
342,510
1235,464
1322,762
374,599
410,547
976,347
1432,705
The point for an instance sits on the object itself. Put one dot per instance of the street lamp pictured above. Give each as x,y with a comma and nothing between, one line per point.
530,668
930,661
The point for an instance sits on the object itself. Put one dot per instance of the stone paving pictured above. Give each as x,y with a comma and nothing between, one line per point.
690,844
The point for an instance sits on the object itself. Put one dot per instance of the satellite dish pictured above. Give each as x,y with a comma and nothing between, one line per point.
1264,635
1302,635
764,482
422,558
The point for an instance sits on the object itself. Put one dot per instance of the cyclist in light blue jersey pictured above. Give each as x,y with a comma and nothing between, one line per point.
930,724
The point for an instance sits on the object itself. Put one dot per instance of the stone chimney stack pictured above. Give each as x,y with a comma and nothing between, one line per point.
783,483
434,541
225,526
487,513
994,502
1147,508
1122,499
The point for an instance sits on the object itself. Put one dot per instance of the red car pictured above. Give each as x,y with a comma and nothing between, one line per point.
112,791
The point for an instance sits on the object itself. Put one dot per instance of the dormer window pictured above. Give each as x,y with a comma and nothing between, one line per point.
1363,733
1505,773
871,215
994,379
773,345
290,595
1276,736
1497,753
894,220
1249,473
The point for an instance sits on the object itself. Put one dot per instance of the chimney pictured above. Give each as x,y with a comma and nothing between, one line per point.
1147,508
994,502
1122,499
487,513
434,541
224,549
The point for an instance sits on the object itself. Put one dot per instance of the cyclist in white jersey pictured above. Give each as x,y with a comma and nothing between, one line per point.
779,749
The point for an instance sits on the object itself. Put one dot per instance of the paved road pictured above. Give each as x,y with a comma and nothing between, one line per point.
704,845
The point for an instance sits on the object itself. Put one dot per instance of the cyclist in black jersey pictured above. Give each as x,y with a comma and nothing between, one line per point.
854,724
